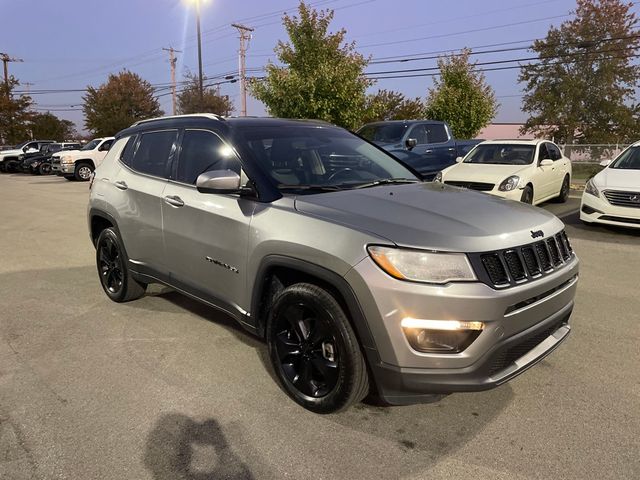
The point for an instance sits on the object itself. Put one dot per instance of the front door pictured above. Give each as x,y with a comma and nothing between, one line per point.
206,235
546,174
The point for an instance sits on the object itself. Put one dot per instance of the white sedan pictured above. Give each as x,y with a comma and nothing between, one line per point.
613,195
532,171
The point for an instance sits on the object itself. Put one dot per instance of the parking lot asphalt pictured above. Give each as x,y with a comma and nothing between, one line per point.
165,388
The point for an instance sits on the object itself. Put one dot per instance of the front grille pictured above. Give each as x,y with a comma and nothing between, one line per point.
512,266
483,187
507,356
621,198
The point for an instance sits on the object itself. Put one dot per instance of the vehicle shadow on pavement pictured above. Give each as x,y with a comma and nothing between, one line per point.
180,447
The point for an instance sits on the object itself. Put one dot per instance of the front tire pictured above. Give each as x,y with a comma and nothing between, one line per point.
83,172
527,195
314,351
115,277
44,169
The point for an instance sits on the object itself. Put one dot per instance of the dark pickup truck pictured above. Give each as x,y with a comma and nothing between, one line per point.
426,145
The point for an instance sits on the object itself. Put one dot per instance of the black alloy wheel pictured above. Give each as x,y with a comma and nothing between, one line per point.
307,350
44,168
110,266
314,350
115,277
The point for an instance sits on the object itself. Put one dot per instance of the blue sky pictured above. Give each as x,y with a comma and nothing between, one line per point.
70,44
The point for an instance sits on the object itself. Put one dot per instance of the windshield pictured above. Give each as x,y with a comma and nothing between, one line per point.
91,145
383,132
628,160
501,154
20,145
312,159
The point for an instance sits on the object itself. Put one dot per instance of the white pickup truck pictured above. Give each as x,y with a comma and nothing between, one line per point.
80,164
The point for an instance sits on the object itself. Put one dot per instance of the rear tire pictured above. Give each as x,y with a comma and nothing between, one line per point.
564,190
83,172
527,195
112,263
314,351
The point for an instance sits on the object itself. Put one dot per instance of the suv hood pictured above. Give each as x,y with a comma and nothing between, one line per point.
482,172
433,216
12,152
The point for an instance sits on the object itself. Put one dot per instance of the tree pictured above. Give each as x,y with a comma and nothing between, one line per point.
461,97
48,126
581,88
390,105
14,114
189,99
321,76
123,100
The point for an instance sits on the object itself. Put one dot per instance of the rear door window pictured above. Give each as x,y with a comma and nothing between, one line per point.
203,151
153,153
436,133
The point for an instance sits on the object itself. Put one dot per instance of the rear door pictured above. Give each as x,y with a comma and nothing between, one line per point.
206,234
138,190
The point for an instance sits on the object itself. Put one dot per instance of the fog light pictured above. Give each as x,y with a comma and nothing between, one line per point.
440,336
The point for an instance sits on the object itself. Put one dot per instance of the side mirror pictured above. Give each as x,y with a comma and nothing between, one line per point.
546,162
605,163
218,181
411,143
459,159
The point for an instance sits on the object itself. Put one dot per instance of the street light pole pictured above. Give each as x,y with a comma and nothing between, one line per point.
199,55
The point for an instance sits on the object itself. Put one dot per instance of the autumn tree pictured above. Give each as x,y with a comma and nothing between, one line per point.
461,96
123,100
581,90
14,114
189,99
390,105
48,126
321,75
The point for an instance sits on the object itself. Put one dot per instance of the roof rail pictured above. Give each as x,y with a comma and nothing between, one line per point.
206,115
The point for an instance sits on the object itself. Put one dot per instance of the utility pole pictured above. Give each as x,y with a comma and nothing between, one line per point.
28,86
199,55
172,63
245,36
5,60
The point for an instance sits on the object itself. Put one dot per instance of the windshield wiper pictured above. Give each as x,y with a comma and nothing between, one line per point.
386,181
309,187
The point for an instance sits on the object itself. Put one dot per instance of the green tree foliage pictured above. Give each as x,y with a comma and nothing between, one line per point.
14,114
321,76
189,99
461,97
581,89
123,100
48,126
390,105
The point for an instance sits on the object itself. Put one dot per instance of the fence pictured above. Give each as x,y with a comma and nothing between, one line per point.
592,153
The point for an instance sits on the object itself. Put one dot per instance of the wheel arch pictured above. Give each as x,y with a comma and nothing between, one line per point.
99,221
277,272
82,161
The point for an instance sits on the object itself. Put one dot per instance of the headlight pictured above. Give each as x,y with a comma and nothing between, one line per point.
509,184
438,177
422,266
591,189
66,160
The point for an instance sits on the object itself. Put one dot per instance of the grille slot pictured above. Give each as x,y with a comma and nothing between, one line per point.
482,187
514,264
525,263
621,198
495,269
543,255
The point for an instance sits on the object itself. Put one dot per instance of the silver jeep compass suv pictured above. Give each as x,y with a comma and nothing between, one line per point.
360,277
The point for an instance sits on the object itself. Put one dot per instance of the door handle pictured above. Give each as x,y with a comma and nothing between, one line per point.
174,201
428,151
121,185
451,149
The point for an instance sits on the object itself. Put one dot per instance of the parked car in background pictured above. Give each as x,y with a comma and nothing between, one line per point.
9,158
427,146
40,163
532,171
357,274
613,195
80,164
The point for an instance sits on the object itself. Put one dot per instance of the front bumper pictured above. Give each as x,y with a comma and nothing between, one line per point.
599,210
62,168
538,309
